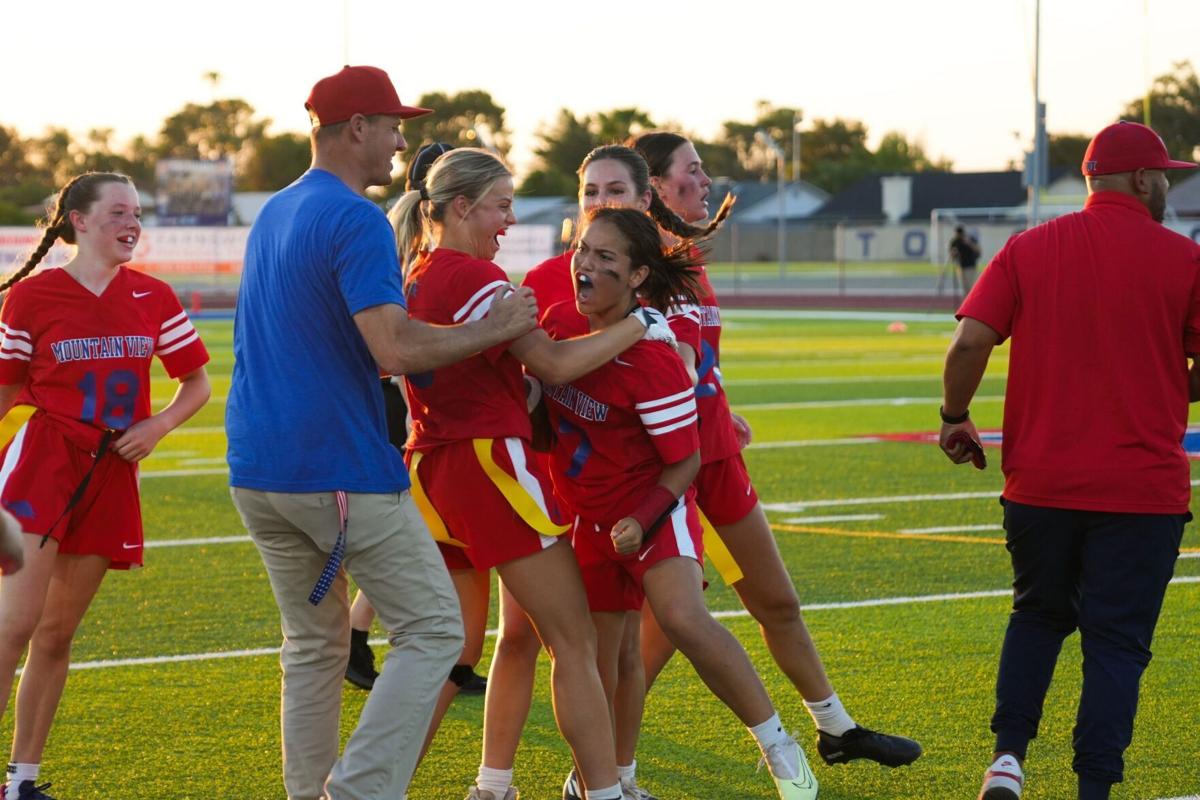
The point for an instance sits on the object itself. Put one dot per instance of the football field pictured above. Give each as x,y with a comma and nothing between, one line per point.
897,555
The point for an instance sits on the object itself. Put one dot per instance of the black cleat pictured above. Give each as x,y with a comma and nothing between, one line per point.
476,684
27,791
360,669
860,742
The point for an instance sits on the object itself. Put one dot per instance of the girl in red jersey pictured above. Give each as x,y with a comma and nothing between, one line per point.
727,498
610,175
626,454
77,345
474,475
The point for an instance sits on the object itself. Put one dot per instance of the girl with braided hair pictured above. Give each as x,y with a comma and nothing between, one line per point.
727,498
626,454
76,345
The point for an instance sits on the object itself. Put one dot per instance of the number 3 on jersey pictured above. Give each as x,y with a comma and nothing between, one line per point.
120,393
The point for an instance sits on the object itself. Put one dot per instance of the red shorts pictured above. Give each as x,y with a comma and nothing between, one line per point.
613,582
40,470
486,501
724,492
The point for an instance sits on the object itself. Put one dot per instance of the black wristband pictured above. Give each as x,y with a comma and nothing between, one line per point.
949,420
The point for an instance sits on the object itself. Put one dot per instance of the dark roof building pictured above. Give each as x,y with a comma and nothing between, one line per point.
912,196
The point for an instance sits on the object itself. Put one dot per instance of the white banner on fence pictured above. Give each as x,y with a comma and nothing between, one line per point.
205,251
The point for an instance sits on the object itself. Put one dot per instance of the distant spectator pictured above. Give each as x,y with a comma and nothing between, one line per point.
964,252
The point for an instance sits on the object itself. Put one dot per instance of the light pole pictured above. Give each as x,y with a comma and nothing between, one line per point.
763,138
796,119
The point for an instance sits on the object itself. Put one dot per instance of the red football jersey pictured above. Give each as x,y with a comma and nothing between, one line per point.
617,426
551,282
86,358
482,396
702,324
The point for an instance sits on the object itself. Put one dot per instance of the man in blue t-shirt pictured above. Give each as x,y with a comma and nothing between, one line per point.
320,315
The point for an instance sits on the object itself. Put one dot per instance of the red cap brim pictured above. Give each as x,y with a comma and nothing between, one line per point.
1181,165
408,112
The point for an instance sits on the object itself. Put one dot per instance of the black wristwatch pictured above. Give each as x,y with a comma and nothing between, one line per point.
949,420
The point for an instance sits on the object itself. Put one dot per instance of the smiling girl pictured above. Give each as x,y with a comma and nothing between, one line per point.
475,478
727,497
77,345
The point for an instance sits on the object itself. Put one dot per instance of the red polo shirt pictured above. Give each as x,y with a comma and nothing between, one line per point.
1103,307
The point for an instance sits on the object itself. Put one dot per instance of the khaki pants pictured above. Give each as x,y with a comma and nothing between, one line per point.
393,559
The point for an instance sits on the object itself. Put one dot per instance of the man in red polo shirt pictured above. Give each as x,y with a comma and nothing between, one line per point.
1103,308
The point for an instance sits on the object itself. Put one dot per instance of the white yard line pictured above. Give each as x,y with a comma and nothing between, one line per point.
835,518
195,542
852,440
274,651
952,529
858,402
804,505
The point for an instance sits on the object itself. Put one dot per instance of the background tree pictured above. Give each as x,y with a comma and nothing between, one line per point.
221,128
564,143
1174,110
1065,150
274,162
469,118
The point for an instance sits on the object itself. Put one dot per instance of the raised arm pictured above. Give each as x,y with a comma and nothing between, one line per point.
404,346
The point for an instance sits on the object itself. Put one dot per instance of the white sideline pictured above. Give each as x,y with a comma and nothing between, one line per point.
859,402
834,518
270,651
952,529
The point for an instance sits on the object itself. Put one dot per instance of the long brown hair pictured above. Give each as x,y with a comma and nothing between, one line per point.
78,195
658,148
673,278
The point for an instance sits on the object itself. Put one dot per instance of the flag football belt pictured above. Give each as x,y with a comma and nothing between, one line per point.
77,495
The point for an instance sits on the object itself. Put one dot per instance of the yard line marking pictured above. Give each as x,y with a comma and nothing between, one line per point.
881,316
925,537
859,402
741,612
830,379
814,442
953,529
838,518
1186,553
182,473
804,505
194,542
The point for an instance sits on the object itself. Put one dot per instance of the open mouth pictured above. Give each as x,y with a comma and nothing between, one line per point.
128,241
583,288
496,238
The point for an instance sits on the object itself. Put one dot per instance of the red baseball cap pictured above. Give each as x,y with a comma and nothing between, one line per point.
1127,146
357,90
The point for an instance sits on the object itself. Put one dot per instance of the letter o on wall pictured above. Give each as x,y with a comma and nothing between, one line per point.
914,243
1195,234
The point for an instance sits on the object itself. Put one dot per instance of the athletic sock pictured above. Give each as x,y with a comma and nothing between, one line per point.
610,793
627,774
783,761
495,781
21,772
830,715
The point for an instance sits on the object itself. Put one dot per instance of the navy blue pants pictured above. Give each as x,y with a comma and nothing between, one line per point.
1106,575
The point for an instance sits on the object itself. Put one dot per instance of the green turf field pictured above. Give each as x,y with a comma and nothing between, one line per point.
859,521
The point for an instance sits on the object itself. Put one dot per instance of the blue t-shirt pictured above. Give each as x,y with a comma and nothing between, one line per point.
305,410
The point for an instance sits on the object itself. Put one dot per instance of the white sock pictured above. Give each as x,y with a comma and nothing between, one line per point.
830,715
627,774
610,793
21,772
495,781
783,761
